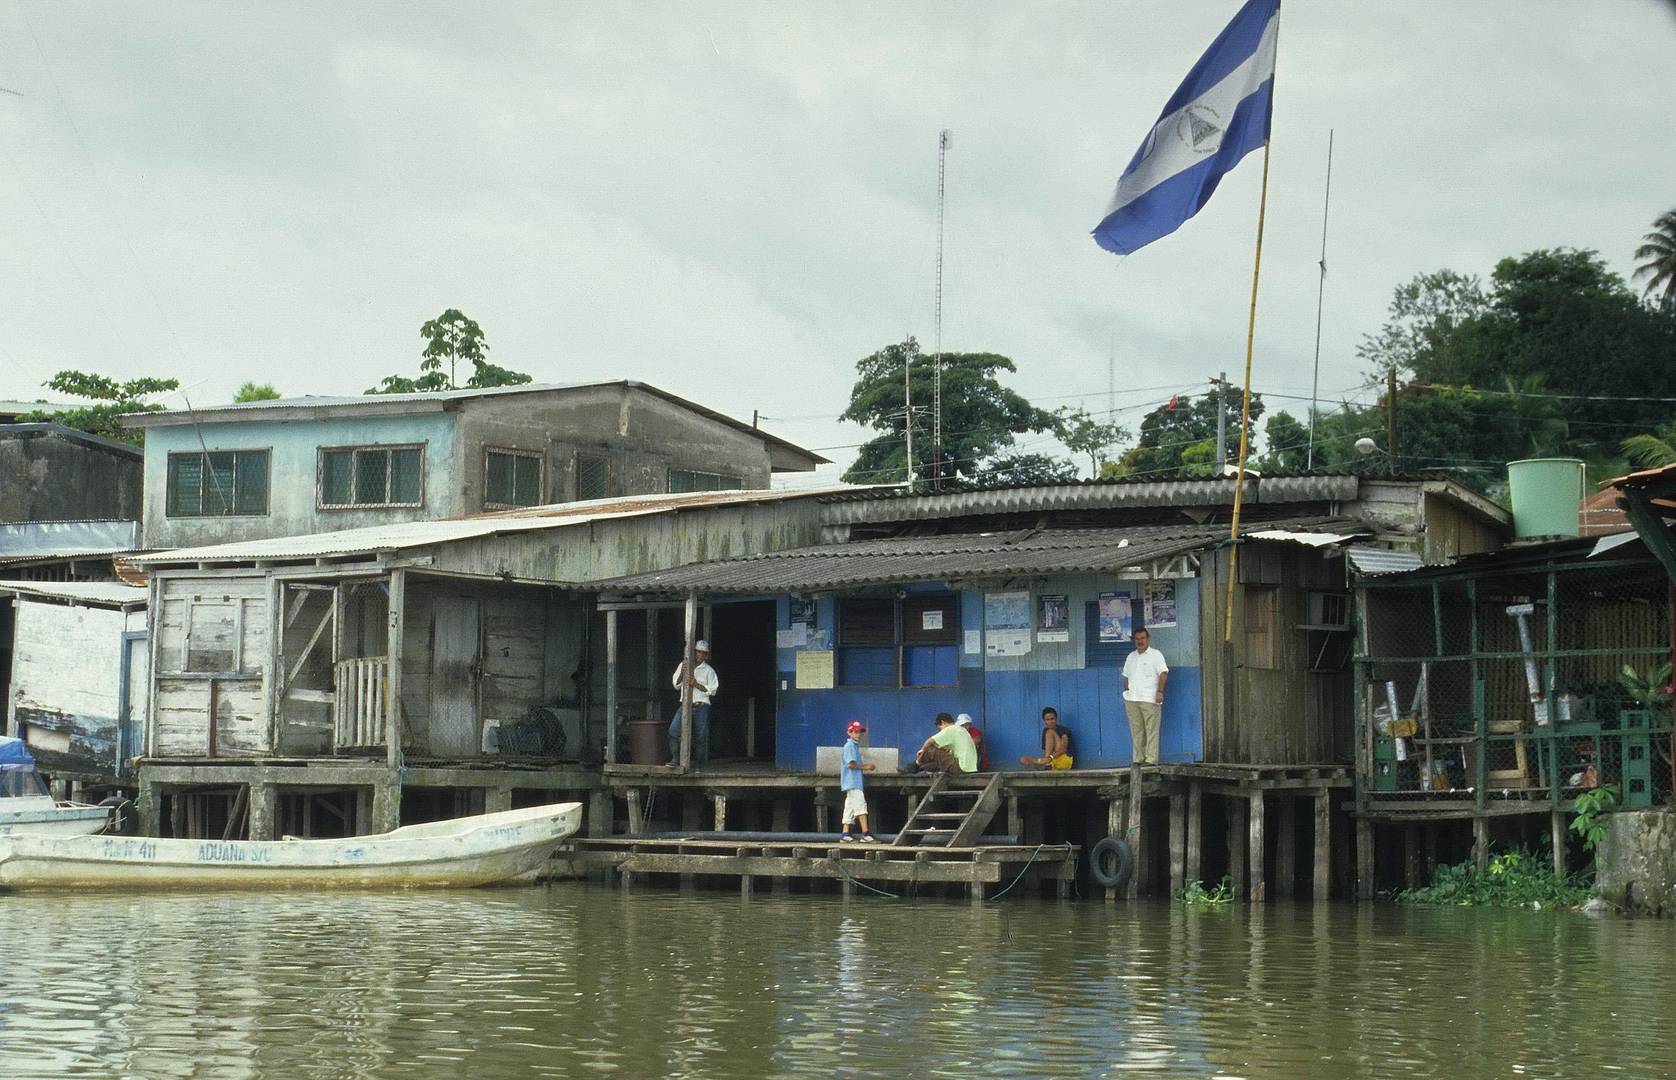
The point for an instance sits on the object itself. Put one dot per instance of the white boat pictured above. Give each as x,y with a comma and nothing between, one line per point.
28,808
484,850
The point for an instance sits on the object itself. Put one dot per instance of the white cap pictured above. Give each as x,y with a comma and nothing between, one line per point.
964,718
701,646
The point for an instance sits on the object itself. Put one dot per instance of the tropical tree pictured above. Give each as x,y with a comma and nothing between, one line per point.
1179,438
1083,434
451,338
980,415
1652,451
1421,323
1023,469
111,398
252,391
1658,250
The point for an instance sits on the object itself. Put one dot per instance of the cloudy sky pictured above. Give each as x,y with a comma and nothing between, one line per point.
737,201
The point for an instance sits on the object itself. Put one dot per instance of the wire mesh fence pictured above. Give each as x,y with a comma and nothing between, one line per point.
1525,682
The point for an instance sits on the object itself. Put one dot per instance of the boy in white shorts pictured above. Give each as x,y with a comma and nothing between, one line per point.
850,770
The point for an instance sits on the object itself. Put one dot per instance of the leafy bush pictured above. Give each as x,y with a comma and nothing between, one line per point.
1219,895
1513,879
1589,806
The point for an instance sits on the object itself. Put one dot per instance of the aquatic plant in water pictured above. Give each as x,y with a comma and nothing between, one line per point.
1219,895
1512,879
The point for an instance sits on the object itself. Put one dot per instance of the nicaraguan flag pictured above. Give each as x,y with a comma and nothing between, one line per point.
1219,114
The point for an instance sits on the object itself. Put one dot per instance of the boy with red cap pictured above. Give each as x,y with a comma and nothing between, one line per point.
850,770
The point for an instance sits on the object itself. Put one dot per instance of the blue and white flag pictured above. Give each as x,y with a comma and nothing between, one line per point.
1219,114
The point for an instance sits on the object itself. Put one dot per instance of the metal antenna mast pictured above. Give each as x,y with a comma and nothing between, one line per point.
937,324
1320,294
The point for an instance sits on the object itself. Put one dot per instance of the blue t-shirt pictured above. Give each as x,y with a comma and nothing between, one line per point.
849,779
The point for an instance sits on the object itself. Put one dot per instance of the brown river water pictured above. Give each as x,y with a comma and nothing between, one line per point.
587,981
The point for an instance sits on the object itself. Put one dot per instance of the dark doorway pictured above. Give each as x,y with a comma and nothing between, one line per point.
742,640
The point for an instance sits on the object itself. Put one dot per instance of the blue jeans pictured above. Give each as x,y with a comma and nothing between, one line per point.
701,735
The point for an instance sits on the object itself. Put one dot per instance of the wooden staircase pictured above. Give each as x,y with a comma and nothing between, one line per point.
954,812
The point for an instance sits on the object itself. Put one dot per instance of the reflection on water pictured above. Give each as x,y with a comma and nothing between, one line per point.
578,981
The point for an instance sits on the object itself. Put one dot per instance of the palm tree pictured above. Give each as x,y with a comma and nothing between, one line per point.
1652,451
1658,248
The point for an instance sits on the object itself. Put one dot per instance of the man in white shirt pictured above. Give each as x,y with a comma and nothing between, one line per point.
1144,676
705,684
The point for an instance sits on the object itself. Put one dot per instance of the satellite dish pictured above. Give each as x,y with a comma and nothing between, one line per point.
1365,446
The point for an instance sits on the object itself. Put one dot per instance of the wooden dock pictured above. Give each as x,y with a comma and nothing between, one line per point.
982,868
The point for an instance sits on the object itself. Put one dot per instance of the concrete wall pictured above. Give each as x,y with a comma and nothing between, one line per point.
292,476
46,476
1635,866
642,435
69,721
1005,694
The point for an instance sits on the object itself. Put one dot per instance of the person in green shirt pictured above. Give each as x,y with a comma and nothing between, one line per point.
950,749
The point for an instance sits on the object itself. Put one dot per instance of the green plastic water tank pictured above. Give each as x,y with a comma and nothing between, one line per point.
1546,494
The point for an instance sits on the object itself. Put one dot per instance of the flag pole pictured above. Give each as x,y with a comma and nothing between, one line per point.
1245,408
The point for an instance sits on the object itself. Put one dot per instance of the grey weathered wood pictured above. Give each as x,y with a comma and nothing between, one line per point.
611,682
1322,885
262,802
689,664
1365,863
1285,847
1411,856
1239,842
1178,842
718,803
636,820
1136,834
1114,827
1258,885
1481,842
1557,829
1192,868
601,812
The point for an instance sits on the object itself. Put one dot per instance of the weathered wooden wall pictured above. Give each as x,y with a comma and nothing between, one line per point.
210,639
1283,715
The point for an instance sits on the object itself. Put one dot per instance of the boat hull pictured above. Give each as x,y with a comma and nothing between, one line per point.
55,821
485,850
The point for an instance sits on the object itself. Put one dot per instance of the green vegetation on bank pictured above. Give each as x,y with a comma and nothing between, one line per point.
1512,879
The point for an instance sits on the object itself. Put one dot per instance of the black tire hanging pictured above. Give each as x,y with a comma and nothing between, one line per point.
1110,863
125,820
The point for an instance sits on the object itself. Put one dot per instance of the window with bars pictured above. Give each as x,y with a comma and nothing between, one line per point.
357,476
593,477
883,641
221,483
681,480
511,478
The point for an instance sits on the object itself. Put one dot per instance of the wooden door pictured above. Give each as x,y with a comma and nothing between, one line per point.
456,667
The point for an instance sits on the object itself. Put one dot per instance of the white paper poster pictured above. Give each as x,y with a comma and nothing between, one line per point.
1006,623
1160,609
794,638
931,620
974,642
814,670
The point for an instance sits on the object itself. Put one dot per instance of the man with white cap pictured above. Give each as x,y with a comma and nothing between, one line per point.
704,682
965,721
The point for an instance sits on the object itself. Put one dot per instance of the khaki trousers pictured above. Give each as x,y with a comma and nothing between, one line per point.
1143,729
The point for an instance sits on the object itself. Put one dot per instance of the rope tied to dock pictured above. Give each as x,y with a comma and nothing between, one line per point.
840,861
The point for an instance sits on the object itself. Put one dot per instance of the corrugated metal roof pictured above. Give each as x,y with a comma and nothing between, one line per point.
1376,560
899,505
940,558
64,539
111,593
374,539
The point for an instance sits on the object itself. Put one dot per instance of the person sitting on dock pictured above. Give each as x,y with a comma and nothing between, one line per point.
965,721
949,750
1056,744
705,684
850,771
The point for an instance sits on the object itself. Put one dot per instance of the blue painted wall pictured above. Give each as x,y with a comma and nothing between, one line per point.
1006,693
294,454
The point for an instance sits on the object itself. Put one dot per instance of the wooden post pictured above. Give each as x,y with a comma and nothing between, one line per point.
150,806
1411,856
393,642
1015,818
719,802
651,633
611,681
636,816
1192,868
1431,854
1285,845
601,812
1178,842
746,882
496,799
1136,834
1239,840
1365,863
1114,827
1259,886
686,685
782,825
1481,841
387,804
1322,887
750,723
262,804
1556,826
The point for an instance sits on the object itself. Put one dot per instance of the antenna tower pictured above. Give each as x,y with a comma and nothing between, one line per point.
937,324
